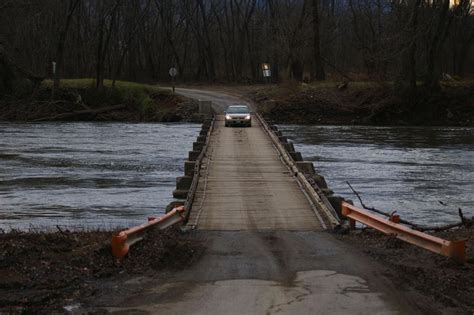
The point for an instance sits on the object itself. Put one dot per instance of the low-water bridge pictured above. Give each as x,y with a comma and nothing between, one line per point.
244,185
267,251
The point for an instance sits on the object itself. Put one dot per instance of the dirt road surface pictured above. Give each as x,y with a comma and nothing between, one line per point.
254,272
265,251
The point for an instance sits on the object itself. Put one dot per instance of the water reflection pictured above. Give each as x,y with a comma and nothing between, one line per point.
406,169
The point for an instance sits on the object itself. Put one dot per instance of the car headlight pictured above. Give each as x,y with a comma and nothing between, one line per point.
247,117
227,117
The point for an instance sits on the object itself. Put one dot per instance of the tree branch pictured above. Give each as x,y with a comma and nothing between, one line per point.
464,221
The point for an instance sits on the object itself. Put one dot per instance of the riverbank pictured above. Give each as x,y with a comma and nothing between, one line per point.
79,100
363,103
324,103
410,267
44,272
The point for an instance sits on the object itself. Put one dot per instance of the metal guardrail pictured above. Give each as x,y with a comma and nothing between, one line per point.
453,249
316,196
122,241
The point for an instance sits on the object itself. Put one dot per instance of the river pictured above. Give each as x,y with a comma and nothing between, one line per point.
93,175
404,169
107,175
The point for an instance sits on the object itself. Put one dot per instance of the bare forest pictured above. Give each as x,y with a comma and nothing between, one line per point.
228,40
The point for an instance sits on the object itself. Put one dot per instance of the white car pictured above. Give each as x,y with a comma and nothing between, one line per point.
238,115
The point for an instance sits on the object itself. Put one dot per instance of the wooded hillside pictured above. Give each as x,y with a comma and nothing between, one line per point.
227,40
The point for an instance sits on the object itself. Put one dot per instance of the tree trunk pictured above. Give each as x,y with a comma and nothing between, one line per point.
60,49
464,36
98,76
103,45
432,71
275,68
211,70
407,79
7,74
318,69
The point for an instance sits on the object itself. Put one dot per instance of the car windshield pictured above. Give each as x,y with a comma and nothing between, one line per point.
238,110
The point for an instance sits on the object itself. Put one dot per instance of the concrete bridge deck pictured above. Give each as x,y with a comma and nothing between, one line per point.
245,186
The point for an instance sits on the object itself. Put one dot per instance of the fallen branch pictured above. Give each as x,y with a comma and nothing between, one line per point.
60,230
464,221
81,112
366,207
379,211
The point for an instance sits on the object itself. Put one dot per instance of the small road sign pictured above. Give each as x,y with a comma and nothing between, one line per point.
173,72
267,73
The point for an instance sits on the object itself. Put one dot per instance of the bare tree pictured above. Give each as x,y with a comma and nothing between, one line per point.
407,78
438,31
402,40
318,73
62,39
463,35
105,33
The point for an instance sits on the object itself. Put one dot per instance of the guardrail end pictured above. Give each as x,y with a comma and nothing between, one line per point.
119,245
456,250
345,212
181,211
453,249
352,224
395,218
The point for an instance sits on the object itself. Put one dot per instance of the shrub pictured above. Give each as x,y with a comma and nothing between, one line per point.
22,88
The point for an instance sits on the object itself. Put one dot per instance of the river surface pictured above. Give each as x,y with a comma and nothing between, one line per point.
93,175
404,169
104,175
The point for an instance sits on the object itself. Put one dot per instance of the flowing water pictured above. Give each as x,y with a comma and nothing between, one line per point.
89,174
115,174
406,169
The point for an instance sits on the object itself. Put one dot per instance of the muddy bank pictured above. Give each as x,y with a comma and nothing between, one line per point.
363,104
43,272
432,275
108,104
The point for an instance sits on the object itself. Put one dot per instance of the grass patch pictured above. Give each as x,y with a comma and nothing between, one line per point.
121,85
134,95
80,97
